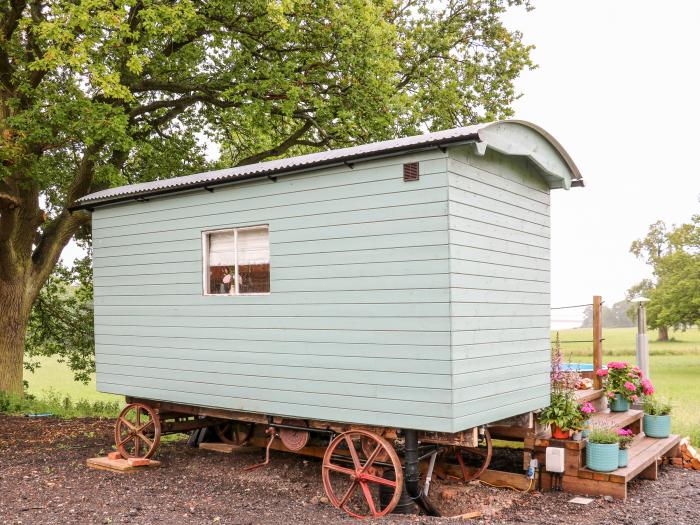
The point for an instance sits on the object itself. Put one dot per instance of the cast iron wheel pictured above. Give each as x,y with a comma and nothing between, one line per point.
346,468
137,432
234,432
475,460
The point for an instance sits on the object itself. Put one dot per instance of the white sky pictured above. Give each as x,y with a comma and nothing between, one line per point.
617,85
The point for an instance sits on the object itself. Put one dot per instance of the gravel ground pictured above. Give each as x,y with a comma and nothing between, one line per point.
44,480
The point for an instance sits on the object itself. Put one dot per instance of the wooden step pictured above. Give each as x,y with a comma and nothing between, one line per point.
616,420
588,395
643,453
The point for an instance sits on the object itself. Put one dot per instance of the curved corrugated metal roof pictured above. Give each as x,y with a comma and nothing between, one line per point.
307,162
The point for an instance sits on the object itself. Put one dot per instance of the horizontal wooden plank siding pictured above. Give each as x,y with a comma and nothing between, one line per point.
356,327
499,287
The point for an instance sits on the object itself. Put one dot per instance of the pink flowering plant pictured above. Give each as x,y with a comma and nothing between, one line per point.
625,437
583,415
626,380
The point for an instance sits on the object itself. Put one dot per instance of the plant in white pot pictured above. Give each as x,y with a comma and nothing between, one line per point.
657,418
602,450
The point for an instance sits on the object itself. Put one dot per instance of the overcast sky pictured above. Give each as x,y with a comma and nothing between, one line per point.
617,85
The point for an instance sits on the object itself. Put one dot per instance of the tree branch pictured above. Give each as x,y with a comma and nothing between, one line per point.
281,148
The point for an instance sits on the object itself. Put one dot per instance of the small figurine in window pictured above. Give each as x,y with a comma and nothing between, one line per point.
226,281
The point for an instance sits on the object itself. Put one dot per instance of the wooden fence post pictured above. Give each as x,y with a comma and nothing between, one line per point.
597,337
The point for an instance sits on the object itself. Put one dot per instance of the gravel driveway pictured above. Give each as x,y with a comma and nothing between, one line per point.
44,480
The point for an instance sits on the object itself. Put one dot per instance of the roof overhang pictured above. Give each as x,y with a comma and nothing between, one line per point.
510,137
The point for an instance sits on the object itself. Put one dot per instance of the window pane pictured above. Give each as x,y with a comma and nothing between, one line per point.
222,260
254,260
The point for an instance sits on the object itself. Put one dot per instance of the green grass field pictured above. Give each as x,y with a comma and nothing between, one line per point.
675,371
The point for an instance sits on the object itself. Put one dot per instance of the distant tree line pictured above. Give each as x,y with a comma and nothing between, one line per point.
615,316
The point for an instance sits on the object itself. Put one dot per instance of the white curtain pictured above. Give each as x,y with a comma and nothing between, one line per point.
253,246
222,251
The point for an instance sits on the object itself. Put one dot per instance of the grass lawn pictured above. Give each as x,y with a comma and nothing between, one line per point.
675,371
674,367
55,377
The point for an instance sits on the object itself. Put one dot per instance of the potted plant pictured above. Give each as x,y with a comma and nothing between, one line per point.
602,450
625,437
622,384
561,414
583,422
657,418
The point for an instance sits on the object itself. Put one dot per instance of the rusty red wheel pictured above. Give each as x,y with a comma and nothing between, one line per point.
137,432
346,468
234,432
475,460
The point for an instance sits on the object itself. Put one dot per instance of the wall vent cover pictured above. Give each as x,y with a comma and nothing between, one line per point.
410,171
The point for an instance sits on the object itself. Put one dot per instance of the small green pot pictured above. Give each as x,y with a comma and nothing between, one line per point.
623,457
619,404
602,457
657,426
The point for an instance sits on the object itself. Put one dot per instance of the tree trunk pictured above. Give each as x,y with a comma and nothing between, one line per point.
14,315
663,333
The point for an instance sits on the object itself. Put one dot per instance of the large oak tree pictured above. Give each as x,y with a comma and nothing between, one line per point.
97,93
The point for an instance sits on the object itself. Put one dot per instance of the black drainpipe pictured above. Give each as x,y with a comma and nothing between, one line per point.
411,470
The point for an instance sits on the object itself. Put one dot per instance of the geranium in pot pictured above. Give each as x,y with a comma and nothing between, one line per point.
622,384
561,414
657,418
625,437
584,420
602,450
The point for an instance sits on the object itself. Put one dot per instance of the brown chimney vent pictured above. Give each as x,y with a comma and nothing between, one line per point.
410,171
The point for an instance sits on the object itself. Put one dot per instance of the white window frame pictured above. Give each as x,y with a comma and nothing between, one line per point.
205,260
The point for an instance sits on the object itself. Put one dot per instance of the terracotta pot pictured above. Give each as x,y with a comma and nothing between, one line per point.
558,433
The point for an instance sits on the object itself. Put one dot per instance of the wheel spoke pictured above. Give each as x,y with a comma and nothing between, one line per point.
127,423
348,494
378,480
369,498
338,468
353,453
146,440
143,427
129,437
372,457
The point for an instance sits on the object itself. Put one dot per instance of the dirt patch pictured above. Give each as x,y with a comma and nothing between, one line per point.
43,479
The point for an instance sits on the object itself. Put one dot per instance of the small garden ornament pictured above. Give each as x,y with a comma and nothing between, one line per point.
657,418
625,437
602,450
623,384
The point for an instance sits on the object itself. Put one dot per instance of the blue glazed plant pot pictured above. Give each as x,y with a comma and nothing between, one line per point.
602,457
619,404
657,426
623,457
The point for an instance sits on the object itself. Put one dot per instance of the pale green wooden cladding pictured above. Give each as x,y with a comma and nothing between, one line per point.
420,304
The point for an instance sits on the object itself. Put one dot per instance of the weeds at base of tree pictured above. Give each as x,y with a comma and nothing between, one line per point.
52,402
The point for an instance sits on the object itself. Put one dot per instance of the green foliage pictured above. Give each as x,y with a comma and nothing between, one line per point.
603,436
656,407
617,316
562,411
52,402
61,321
674,293
98,93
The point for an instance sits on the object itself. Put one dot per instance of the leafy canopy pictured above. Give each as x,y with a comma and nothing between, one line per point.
674,291
98,93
